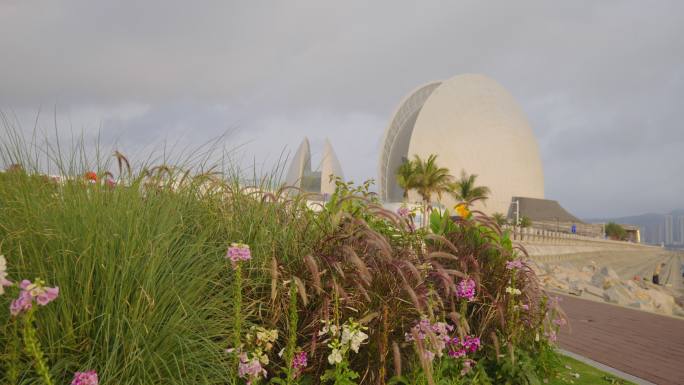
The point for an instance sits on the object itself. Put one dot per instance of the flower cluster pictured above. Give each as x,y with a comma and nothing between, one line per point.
253,355
513,291
403,211
459,348
343,339
434,340
3,275
238,252
90,176
434,337
514,264
466,289
32,291
299,362
85,378
462,210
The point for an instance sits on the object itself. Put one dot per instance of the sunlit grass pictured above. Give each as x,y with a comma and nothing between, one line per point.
579,373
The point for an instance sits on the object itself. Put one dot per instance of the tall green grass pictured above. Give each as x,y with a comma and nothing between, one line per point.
147,297
145,291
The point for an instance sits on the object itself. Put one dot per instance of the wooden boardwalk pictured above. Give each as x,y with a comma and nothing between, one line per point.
645,345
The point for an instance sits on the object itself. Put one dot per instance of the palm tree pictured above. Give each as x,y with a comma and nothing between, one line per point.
406,177
465,190
429,178
499,218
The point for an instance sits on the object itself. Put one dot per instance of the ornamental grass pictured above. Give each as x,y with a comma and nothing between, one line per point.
174,275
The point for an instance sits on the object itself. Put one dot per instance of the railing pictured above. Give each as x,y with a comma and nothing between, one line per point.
537,235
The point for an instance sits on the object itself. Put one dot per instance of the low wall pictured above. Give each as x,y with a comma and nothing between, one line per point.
547,246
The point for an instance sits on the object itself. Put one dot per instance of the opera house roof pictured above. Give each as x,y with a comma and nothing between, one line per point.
473,124
301,175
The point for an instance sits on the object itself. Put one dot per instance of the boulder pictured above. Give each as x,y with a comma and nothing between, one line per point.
641,305
664,303
576,287
618,295
678,311
593,290
605,278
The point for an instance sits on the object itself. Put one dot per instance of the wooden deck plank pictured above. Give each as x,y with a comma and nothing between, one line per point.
645,345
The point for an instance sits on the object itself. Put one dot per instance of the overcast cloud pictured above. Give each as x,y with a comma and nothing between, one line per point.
602,82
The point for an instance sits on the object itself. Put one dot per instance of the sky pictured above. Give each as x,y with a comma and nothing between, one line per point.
601,82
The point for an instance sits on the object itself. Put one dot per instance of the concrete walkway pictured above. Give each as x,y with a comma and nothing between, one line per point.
645,345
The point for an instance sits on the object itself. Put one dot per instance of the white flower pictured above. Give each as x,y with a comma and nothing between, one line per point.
346,335
335,357
332,329
3,275
357,340
267,335
513,291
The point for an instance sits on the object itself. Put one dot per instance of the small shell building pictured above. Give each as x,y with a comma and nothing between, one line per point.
301,175
471,123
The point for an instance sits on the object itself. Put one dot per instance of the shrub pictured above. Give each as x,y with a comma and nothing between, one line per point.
147,294
615,231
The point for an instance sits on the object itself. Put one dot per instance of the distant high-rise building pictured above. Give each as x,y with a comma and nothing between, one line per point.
669,230
681,229
660,237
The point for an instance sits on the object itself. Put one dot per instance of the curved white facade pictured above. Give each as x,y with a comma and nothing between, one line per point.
302,176
472,123
300,163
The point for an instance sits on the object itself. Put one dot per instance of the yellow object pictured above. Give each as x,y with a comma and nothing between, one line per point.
462,210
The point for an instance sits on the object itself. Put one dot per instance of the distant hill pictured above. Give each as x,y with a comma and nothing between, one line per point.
652,225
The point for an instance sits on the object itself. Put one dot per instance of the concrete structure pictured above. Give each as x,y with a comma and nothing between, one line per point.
472,123
301,175
549,215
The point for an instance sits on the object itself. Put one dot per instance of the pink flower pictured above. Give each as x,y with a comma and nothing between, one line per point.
435,337
467,366
21,304
110,182
403,212
471,344
299,362
48,295
85,378
30,291
250,369
238,252
457,353
525,306
466,289
514,264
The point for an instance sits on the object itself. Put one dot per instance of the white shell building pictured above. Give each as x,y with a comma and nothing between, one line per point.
472,123
301,175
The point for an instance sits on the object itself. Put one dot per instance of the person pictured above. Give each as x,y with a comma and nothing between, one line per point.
656,273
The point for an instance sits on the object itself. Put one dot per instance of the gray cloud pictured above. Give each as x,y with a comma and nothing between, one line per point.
602,82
